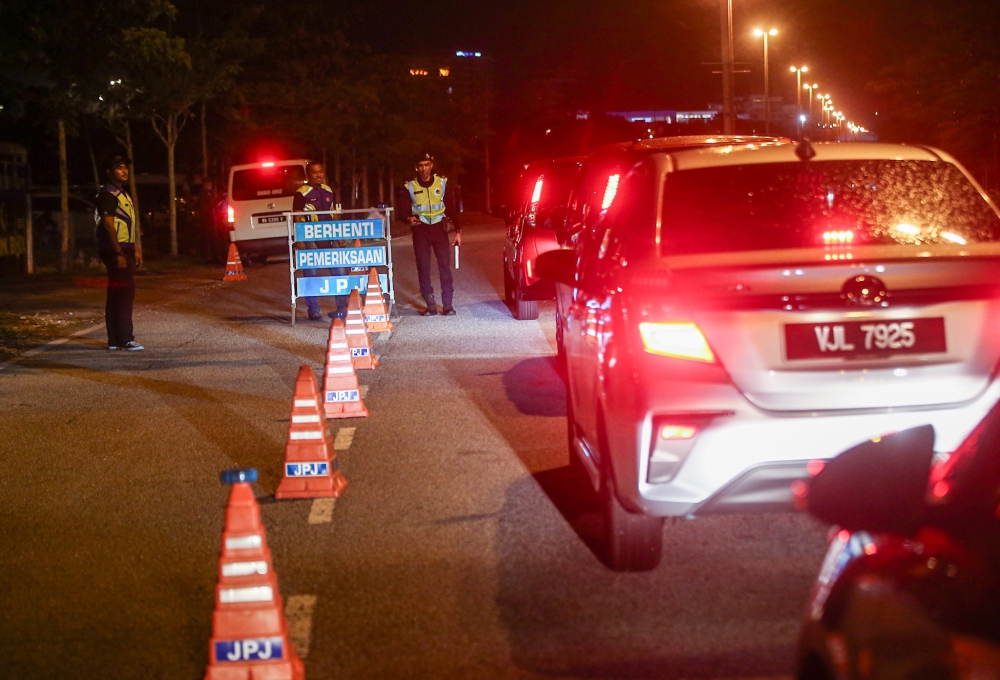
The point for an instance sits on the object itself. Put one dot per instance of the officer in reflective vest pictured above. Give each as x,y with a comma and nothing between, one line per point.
120,252
316,196
431,212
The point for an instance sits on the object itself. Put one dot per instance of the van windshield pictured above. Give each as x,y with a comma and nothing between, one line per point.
272,182
777,206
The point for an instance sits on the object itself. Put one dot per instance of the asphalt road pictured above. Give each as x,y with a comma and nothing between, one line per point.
464,546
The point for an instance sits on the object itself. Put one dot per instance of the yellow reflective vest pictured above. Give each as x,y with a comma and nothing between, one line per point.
428,203
124,214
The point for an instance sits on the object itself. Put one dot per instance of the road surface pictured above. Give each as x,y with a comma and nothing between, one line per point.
464,546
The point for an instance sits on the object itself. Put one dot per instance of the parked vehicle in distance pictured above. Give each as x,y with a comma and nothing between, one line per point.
542,193
911,581
258,193
46,208
742,300
595,188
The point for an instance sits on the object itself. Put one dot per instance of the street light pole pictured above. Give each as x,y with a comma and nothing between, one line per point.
728,108
810,88
798,71
767,81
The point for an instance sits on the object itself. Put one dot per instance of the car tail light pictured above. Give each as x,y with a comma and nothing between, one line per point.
230,214
675,432
536,195
610,191
678,339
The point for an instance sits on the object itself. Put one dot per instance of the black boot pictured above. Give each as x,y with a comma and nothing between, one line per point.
431,310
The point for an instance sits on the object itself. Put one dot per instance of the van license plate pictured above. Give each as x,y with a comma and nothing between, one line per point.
272,219
864,339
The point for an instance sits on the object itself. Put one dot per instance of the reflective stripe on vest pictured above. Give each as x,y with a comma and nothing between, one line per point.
428,203
124,214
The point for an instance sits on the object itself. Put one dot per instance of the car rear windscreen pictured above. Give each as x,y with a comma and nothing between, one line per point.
777,206
272,182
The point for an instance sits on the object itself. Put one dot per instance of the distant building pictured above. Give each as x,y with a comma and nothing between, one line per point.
668,116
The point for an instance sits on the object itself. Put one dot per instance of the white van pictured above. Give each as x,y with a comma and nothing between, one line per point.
258,194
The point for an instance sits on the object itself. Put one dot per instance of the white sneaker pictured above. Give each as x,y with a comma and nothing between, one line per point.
133,346
111,348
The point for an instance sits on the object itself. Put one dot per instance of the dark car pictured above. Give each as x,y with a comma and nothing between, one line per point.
540,201
910,587
595,188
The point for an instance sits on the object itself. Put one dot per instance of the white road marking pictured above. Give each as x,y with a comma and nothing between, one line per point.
345,436
299,614
55,343
321,511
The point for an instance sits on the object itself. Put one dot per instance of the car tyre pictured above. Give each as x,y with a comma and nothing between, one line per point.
524,310
634,542
508,288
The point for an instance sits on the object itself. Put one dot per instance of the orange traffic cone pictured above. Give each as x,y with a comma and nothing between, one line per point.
358,340
341,393
311,469
249,631
376,314
234,266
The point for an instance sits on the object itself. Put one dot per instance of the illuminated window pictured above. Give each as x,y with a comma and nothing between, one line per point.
444,72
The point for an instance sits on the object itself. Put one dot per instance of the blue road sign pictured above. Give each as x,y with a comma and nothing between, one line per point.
325,258
306,469
343,395
339,230
315,286
254,649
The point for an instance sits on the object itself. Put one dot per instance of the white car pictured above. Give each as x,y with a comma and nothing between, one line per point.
258,194
745,312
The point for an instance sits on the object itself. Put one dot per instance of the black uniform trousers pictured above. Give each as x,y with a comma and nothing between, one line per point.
428,237
121,295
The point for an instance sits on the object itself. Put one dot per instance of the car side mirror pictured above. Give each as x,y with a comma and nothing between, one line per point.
877,486
557,266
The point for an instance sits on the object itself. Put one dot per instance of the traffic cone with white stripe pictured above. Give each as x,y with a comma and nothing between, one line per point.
249,631
341,392
358,340
234,266
311,469
376,313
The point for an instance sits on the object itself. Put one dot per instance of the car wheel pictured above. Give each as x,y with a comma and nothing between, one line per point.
508,289
633,542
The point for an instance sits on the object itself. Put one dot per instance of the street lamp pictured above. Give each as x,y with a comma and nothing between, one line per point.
798,88
810,88
767,83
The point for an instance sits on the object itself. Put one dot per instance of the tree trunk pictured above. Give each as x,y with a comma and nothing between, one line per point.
336,178
64,258
392,188
171,145
204,146
93,159
354,185
365,203
131,184
381,184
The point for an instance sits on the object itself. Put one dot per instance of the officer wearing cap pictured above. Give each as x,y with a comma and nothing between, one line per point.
316,196
431,212
120,252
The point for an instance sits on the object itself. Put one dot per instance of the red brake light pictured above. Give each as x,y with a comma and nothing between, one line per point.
269,164
536,195
610,191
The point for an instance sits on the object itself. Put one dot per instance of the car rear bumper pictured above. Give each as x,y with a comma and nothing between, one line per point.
262,246
747,461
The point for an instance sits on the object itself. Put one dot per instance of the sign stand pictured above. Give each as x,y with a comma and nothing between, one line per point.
372,226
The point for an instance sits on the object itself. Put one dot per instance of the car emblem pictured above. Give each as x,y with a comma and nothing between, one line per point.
271,206
865,291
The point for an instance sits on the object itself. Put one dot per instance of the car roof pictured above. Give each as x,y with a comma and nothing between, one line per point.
251,166
751,154
681,142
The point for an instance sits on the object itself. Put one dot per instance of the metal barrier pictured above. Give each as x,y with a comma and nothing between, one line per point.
372,226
